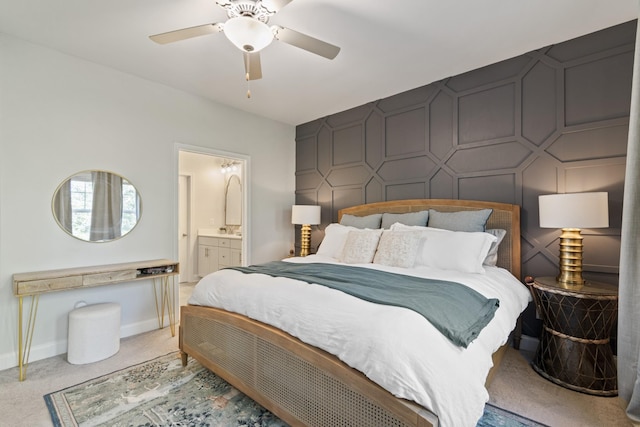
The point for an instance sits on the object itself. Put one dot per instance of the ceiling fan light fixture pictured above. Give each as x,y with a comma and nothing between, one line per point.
248,34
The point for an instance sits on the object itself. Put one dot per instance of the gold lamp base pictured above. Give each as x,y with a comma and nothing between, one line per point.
571,259
305,239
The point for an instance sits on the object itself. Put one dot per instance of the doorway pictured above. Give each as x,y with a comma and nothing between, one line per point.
202,183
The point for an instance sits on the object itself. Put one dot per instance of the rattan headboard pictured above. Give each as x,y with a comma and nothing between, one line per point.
504,215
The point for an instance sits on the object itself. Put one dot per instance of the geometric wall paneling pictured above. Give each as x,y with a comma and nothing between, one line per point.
605,175
347,145
618,36
308,181
552,120
601,176
592,143
325,193
414,190
441,186
504,70
605,258
374,191
353,175
538,177
304,162
374,147
598,90
348,117
494,188
324,151
539,104
405,132
441,125
408,168
487,115
405,100
345,197
507,155
308,129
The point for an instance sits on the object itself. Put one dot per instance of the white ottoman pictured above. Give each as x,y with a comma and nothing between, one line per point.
94,333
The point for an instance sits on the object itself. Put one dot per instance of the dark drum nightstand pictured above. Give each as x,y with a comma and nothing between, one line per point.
574,349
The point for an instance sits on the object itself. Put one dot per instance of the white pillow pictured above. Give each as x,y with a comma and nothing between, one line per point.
397,248
451,250
492,256
334,237
360,246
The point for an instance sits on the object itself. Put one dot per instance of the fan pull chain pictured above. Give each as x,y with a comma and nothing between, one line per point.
247,76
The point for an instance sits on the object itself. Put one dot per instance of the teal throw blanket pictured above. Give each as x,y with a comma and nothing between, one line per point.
455,310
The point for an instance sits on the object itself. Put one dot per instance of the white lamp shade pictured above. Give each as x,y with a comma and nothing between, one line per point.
248,34
574,210
305,214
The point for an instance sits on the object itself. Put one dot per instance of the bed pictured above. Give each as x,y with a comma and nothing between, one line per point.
283,362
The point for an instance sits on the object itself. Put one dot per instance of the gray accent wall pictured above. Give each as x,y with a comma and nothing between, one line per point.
552,120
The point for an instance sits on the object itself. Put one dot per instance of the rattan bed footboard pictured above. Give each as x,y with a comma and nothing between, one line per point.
301,384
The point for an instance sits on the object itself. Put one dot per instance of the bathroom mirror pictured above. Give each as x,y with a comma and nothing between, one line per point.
233,201
96,206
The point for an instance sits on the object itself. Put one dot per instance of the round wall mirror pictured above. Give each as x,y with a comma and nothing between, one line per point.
233,201
97,206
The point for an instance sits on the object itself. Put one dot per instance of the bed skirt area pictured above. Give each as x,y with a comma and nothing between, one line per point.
301,384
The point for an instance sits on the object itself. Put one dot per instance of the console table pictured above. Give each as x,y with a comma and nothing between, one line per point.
33,284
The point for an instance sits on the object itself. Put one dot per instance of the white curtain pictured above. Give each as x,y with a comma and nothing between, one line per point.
106,212
629,297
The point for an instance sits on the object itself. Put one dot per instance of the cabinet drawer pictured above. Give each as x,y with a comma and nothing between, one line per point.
108,277
209,241
224,243
45,285
235,244
224,256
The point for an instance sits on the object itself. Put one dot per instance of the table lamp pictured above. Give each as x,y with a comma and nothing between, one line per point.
571,212
306,216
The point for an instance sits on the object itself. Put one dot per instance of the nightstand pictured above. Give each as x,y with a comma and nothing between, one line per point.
575,350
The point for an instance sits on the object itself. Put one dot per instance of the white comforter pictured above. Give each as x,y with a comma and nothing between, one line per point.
394,347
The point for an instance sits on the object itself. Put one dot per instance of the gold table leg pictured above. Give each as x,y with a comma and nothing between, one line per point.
164,294
25,337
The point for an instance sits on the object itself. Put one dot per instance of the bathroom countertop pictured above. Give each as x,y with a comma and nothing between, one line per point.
214,232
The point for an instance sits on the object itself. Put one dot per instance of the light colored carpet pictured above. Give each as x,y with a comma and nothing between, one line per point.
516,387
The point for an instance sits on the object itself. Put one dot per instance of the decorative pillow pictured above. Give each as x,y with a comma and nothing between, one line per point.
360,246
397,248
460,221
334,237
369,221
492,256
454,250
411,218
398,226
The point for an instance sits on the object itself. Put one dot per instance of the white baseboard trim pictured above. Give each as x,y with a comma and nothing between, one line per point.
55,348
528,343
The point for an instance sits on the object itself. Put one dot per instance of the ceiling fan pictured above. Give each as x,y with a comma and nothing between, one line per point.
247,29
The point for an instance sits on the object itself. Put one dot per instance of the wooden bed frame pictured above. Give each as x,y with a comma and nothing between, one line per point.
304,385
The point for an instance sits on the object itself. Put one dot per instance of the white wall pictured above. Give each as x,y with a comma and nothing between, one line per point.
60,115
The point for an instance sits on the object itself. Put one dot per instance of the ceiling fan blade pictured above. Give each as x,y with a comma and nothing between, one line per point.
305,42
186,33
275,5
252,65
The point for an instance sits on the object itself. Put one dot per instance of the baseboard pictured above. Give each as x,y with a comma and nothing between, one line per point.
529,344
55,348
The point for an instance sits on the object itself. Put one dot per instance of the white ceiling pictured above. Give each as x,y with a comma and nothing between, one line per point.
387,46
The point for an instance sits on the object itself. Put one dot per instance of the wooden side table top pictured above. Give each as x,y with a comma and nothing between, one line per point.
590,288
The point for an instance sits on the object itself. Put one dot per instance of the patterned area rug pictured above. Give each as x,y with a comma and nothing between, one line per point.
161,392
